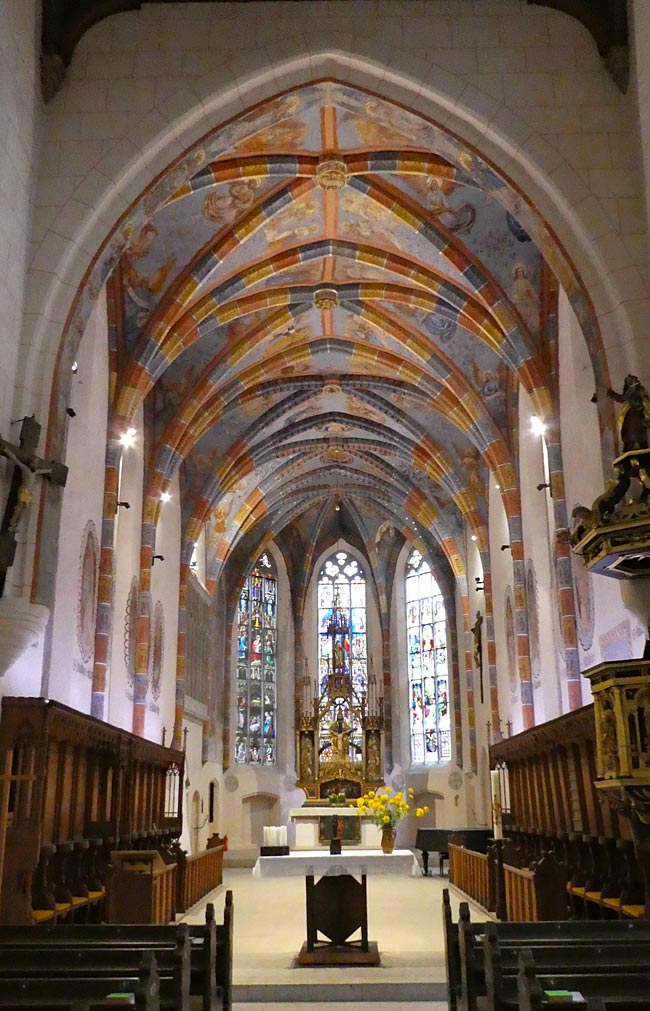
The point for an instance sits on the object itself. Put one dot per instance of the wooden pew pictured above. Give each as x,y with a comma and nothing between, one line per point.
617,990
42,968
210,947
465,945
568,961
79,994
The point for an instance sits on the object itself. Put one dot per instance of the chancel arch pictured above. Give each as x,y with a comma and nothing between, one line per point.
303,300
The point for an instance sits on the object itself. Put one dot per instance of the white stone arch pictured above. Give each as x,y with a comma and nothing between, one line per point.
86,225
84,222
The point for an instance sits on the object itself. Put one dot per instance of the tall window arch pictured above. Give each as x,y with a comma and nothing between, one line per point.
342,582
426,626
255,740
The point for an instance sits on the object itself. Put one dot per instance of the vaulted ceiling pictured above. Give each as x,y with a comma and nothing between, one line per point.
337,307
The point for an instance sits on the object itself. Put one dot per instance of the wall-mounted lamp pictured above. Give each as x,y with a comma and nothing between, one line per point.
127,505
71,412
504,547
543,485
159,557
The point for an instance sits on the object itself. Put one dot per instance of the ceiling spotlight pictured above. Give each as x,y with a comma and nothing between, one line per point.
71,412
537,426
160,557
337,507
543,485
165,496
125,505
498,487
127,439
504,547
74,367
474,537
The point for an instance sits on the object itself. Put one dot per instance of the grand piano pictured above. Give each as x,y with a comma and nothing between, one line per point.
436,840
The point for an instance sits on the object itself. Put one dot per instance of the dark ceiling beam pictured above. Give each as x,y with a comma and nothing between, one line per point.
606,20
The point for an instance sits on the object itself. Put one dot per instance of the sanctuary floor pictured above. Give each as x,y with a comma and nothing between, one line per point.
404,917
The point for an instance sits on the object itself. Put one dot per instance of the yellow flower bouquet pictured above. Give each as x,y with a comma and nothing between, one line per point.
385,807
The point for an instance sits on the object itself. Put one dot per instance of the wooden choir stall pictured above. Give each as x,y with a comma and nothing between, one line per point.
75,794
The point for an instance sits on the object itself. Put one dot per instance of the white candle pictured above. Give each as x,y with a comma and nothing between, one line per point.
265,836
283,836
495,788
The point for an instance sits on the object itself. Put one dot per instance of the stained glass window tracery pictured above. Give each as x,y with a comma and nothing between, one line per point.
342,585
426,629
255,737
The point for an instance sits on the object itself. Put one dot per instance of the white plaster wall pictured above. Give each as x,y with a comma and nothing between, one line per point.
20,112
584,481
70,677
164,588
119,693
525,84
538,537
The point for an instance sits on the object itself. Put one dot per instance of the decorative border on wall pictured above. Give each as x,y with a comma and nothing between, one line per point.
131,631
88,582
157,653
533,624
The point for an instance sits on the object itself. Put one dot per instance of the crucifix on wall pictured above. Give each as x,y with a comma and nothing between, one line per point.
27,467
477,632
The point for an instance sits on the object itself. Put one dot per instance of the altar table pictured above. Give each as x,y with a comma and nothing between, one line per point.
336,904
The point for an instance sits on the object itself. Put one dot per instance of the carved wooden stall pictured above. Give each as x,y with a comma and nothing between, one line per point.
553,807
73,790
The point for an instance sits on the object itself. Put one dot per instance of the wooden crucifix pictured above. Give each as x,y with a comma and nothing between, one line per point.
477,632
27,467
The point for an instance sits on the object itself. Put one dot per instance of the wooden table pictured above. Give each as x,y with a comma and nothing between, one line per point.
336,904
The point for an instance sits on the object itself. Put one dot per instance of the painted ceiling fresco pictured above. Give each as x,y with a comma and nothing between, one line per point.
333,303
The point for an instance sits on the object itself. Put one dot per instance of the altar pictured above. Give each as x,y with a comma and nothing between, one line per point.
336,904
308,823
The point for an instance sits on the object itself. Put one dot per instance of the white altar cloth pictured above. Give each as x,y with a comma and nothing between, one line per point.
351,861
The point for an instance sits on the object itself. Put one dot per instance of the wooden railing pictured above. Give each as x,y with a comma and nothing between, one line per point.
469,871
198,875
521,893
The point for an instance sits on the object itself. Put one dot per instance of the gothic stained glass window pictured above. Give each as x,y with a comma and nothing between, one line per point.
342,582
255,740
426,630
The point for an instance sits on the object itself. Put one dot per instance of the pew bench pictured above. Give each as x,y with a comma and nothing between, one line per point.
81,994
616,990
209,944
465,947
604,962
39,972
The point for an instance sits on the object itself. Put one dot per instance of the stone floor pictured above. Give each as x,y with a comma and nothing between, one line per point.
404,918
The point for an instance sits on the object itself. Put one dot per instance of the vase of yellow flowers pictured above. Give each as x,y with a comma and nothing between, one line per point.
387,808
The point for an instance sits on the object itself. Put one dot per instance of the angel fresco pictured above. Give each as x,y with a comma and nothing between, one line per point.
284,136
458,218
224,206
